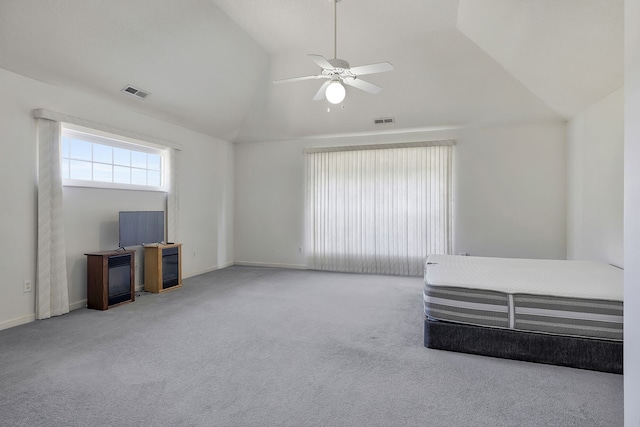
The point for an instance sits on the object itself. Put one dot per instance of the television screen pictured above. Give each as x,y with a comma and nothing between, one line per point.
140,227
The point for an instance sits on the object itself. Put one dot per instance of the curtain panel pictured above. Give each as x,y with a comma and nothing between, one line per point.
52,295
375,210
173,202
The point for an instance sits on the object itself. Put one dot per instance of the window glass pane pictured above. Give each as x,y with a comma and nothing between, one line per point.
80,150
153,178
87,157
102,172
138,160
64,168
138,176
65,147
80,170
121,175
102,153
121,157
153,162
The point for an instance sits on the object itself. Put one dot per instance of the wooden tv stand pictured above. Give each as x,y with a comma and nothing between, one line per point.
103,267
162,267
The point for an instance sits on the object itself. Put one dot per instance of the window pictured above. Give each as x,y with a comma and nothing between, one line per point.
378,210
92,160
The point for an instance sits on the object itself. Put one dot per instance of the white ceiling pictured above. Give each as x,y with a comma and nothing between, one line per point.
209,64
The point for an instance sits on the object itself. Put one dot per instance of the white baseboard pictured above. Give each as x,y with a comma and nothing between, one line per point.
77,304
17,322
208,270
226,264
269,264
32,317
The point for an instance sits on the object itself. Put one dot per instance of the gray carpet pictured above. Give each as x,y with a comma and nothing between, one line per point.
272,347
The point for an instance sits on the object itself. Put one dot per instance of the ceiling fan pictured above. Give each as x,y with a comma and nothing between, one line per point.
337,71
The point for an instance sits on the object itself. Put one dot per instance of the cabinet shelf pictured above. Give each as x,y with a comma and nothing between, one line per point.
162,267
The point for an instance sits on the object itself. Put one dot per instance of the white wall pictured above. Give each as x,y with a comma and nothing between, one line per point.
510,192
631,215
205,205
596,182
269,203
18,195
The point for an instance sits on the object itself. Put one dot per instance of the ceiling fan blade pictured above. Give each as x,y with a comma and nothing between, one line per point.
321,61
380,67
321,91
362,85
297,79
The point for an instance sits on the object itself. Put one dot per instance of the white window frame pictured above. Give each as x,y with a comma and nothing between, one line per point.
104,138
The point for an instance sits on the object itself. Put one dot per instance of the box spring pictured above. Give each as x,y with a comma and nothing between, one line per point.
575,352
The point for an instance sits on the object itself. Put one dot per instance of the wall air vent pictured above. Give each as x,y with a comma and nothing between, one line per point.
135,92
384,120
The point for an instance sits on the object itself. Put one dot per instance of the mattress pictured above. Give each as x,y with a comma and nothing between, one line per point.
574,298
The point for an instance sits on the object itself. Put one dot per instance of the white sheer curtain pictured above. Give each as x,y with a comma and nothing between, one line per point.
378,210
52,294
173,202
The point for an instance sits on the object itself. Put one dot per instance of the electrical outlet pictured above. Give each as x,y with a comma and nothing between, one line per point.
299,249
26,286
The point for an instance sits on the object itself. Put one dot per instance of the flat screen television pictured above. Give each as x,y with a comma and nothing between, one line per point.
140,228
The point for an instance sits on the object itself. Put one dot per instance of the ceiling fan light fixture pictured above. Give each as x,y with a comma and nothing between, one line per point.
339,72
335,92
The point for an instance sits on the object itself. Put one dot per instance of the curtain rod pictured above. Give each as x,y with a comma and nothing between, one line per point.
380,146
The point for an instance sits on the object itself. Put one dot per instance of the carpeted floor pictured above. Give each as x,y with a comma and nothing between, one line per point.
248,346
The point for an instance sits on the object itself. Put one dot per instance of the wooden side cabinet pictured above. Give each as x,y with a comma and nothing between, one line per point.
110,279
162,267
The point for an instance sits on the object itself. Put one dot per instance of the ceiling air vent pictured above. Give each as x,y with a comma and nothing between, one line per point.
135,92
384,120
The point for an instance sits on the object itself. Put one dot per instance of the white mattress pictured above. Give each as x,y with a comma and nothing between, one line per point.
562,278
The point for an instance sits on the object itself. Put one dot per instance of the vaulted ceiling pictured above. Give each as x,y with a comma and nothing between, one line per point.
209,64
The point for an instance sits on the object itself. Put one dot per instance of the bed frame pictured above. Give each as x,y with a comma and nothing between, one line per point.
584,353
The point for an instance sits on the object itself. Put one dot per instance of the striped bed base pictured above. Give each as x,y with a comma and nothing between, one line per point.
585,318
573,332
